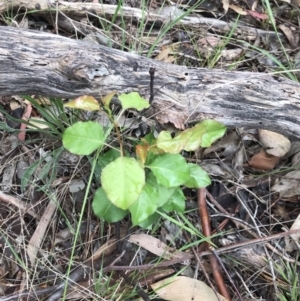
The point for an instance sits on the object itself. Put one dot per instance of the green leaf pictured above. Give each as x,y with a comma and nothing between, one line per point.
164,193
147,223
170,170
108,157
202,134
176,202
123,181
85,102
82,138
213,131
168,144
149,138
105,209
146,204
198,177
103,160
151,157
133,100
188,140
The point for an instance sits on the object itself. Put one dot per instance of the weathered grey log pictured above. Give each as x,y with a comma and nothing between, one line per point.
39,63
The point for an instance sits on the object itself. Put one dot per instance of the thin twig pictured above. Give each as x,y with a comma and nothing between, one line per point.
228,276
19,204
205,222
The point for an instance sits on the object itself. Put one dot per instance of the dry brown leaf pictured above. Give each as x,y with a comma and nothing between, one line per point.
254,4
13,104
157,247
38,236
106,249
275,144
289,35
181,288
225,5
238,9
148,40
156,274
19,99
176,118
163,55
227,146
288,186
217,170
210,40
76,185
231,54
292,242
263,161
258,15
296,226
281,211
170,59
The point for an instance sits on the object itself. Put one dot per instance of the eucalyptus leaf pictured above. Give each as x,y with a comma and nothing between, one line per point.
123,181
170,170
105,209
189,140
202,134
145,205
198,177
85,102
214,130
133,100
82,138
164,193
108,157
148,223
176,202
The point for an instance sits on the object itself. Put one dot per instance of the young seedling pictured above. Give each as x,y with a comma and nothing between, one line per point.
150,181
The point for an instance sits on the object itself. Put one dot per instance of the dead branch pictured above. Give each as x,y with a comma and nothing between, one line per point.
45,64
78,10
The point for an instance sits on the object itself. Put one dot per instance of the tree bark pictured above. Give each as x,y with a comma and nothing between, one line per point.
39,63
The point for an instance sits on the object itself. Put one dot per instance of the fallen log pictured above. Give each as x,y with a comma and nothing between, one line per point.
78,10
39,63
